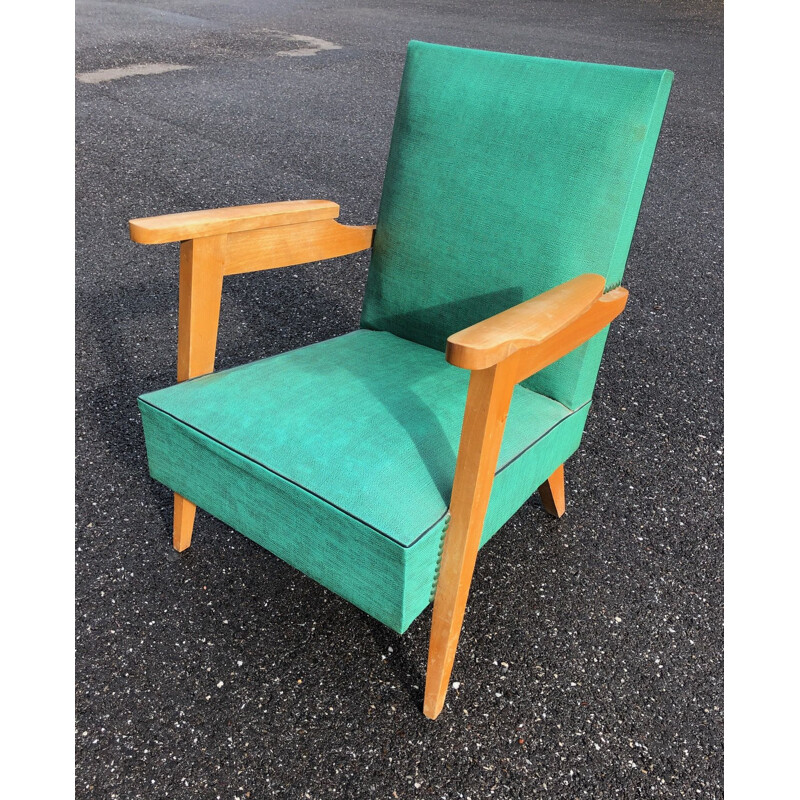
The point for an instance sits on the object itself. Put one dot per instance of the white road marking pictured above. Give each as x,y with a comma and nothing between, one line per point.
314,45
101,75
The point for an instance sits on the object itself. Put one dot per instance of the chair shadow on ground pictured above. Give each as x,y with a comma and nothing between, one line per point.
407,674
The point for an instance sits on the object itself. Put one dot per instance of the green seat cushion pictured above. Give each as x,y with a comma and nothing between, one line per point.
508,175
339,458
367,422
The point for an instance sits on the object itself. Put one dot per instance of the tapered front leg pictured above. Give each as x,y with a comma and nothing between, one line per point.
488,400
551,493
200,294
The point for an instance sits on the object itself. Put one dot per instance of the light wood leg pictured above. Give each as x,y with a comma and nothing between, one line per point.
183,522
200,294
485,415
551,493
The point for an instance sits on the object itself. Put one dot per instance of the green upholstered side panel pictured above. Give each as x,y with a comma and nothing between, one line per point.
508,175
391,583
513,485
516,482
321,541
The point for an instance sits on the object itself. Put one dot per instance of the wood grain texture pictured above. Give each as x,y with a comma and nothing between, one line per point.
525,325
200,292
488,400
197,224
182,522
289,245
552,495
602,312
199,295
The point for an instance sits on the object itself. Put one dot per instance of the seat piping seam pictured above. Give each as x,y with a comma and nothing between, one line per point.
324,499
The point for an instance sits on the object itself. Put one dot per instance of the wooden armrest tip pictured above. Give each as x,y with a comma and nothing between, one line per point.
617,297
466,357
138,231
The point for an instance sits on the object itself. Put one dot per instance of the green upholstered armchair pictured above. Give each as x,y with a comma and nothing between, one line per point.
379,462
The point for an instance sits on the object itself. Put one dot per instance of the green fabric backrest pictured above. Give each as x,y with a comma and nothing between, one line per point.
508,175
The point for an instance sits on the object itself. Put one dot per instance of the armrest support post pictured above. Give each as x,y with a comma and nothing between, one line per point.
229,241
200,292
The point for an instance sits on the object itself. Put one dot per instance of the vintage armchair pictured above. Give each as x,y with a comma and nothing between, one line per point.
374,462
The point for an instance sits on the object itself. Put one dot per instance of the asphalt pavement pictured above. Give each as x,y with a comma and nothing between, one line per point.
590,665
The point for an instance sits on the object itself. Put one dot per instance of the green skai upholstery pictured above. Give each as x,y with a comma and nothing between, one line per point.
339,458
508,175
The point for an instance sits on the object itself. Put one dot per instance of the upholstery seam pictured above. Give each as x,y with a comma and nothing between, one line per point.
292,482
328,502
536,441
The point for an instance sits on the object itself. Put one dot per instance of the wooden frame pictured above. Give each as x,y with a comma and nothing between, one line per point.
229,241
500,352
551,493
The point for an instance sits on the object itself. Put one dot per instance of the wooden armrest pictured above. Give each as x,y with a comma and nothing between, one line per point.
494,339
229,241
197,224
539,331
